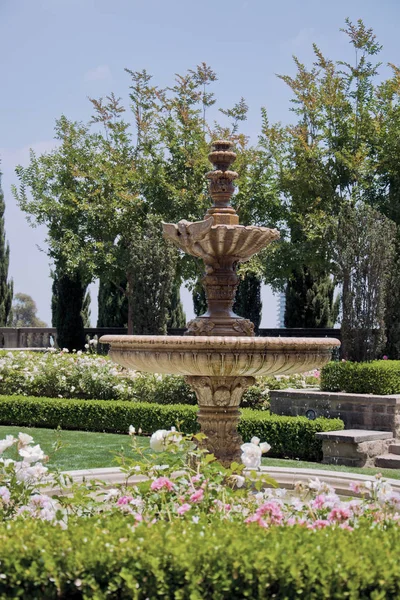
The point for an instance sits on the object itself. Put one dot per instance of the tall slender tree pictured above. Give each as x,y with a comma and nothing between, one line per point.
6,285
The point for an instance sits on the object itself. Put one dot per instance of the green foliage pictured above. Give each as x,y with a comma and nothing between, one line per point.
150,277
309,300
248,299
176,314
380,377
86,309
67,307
101,558
113,304
199,299
292,437
24,311
364,259
6,285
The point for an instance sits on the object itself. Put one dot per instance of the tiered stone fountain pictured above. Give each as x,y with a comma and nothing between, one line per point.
219,355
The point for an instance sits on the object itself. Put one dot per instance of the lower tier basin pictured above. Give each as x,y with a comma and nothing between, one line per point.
219,356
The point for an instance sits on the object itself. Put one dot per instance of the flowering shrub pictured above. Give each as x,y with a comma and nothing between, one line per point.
193,527
60,374
21,481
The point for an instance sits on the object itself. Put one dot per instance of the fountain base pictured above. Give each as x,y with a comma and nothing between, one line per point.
219,399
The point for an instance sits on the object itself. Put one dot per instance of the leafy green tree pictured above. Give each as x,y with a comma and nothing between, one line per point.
365,242
25,312
6,285
325,160
54,180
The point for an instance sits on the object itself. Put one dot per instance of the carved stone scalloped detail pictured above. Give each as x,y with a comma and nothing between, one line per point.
244,326
200,327
219,399
218,355
219,391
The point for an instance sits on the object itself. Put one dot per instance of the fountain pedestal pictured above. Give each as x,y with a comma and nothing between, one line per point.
219,399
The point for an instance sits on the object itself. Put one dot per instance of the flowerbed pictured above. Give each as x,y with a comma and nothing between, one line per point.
87,376
290,437
191,532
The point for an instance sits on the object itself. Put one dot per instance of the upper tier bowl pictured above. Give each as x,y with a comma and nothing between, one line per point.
219,356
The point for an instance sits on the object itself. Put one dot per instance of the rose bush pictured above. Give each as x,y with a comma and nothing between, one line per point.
60,374
187,483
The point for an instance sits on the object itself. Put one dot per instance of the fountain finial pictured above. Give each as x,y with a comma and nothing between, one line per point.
221,183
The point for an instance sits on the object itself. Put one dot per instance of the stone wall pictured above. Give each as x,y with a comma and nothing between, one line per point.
358,411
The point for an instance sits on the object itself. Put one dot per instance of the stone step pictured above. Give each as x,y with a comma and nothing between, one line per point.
354,436
394,448
388,461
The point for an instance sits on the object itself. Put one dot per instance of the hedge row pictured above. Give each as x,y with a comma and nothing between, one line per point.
292,437
103,558
379,377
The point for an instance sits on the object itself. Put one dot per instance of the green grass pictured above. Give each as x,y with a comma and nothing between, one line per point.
87,450
79,449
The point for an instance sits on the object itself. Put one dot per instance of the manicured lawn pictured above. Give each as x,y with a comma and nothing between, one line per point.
78,449
85,450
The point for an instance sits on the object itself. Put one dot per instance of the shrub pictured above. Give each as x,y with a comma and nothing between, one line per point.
87,376
102,558
380,377
292,437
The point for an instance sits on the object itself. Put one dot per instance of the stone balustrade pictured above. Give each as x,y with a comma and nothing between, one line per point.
45,337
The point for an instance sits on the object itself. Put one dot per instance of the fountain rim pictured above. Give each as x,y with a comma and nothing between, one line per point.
190,343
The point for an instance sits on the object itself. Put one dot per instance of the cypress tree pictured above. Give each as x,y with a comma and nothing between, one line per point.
113,305
86,309
6,286
67,304
248,299
310,300
199,299
177,317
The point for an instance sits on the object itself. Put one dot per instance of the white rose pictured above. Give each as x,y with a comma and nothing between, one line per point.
132,430
265,447
157,440
24,439
255,440
32,453
9,441
251,457
239,481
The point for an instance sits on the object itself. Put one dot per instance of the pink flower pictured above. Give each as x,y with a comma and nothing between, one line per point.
162,482
339,514
319,501
197,496
124,500
184,508
385,357
319,524
196,478
272,511
317,373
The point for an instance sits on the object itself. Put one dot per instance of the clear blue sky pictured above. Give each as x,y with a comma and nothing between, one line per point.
56,53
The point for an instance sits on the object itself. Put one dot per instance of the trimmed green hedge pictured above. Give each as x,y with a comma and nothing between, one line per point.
292,437
102,558
380,377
